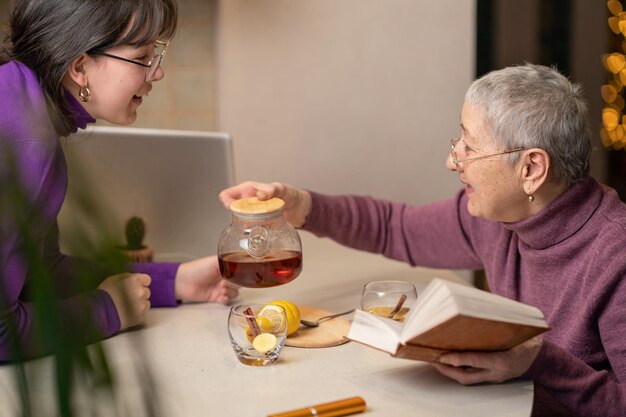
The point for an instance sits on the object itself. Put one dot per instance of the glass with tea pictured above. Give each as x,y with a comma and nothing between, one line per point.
259,249
257,332
390,299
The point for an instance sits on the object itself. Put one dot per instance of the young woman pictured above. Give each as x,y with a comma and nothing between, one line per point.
67,64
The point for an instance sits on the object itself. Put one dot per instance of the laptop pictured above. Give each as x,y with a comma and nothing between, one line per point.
169,178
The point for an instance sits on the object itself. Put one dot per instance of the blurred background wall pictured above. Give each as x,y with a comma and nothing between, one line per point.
345,96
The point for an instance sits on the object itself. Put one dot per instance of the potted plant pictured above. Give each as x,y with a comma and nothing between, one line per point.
135,250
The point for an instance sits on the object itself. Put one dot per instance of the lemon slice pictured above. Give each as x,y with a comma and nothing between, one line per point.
264,342
270,319
293,314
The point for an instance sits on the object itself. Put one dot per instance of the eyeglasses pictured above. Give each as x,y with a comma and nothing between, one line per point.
152,65
458,161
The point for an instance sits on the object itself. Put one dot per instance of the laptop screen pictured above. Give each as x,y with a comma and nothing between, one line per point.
169,178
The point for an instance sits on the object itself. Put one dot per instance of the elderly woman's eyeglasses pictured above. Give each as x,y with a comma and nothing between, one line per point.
152,65
457,161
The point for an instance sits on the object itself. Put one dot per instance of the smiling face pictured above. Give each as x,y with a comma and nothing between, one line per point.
494,188
117,87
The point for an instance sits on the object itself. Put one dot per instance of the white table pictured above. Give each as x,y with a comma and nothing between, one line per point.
197,374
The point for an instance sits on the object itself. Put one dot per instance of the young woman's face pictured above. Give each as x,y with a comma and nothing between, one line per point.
118,87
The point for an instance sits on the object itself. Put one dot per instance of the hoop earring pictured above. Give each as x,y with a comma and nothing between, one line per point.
84,93
531,198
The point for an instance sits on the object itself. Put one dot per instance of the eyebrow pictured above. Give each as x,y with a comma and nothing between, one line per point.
465,131
472,145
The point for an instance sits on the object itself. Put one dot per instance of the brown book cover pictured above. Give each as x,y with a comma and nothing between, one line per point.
462,333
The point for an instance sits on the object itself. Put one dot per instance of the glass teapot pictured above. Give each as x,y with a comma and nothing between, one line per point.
259,249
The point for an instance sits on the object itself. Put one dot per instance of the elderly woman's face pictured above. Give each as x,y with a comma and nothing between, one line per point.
494,190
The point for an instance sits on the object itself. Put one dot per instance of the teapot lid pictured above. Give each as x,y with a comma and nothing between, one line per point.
252,205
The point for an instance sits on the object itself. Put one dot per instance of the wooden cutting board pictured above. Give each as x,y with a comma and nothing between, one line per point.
329,333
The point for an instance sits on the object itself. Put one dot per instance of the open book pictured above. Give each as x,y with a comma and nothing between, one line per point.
450,317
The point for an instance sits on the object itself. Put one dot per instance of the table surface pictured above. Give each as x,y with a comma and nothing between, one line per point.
182,364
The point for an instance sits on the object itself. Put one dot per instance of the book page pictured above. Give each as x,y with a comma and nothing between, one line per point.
435,304
486,310
482,304
429,319
427,300
442,300
374,331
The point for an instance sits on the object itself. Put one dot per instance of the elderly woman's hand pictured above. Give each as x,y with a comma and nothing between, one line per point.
297,202
470,368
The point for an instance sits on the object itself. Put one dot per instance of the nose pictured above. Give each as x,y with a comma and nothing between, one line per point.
450,164
159,74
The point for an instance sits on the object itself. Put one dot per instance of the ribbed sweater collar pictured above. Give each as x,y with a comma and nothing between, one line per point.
562,218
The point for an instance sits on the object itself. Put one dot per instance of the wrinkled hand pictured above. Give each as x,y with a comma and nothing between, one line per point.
200,280
475,367
297,202
130,294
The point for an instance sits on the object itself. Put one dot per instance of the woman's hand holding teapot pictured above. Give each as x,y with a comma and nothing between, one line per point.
297,202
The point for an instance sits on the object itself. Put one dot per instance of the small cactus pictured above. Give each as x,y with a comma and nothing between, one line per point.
135,232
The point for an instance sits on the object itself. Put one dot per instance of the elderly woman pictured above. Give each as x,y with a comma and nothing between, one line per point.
546,233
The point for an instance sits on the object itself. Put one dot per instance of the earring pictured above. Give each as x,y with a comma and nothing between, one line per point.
531,198
84,93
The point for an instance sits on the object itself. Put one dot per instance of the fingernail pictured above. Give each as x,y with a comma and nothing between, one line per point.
442,360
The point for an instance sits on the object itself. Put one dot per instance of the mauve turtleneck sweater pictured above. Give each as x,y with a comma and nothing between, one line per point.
27,135
569,260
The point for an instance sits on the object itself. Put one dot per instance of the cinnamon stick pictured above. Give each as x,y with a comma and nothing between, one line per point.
254,327
398,306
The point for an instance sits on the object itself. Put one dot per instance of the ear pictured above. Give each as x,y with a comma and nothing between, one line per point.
76,71
534,169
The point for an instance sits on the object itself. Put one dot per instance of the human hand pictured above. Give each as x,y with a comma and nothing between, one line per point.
297,202
130,294
200,280
469,368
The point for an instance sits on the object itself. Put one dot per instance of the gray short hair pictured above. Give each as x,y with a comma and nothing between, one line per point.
533,106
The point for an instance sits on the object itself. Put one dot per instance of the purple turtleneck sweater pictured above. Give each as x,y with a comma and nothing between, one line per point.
28,137
568,260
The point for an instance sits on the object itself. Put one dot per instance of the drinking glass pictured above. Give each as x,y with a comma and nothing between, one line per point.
257,332
382,297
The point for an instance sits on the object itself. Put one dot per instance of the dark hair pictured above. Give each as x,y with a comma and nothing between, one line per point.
46,35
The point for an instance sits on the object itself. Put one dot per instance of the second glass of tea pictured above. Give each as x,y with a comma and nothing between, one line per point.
259,249
391,299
